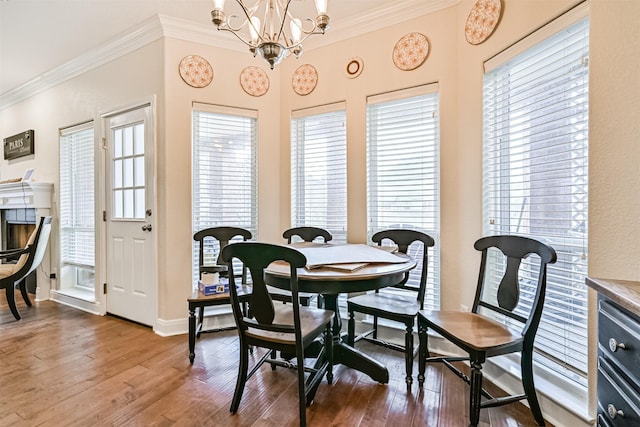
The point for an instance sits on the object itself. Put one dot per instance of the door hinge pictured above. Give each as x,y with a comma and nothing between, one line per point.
104,288
104,216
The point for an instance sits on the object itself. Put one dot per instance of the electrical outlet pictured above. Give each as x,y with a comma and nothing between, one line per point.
464,307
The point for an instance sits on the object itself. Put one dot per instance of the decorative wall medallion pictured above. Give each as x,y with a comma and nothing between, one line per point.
411,51
482,20
354,67
196,71
305,79
254,81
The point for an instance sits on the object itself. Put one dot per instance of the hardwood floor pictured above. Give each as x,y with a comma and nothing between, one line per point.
64,367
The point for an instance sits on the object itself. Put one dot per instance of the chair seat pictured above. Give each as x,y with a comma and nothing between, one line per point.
470,330
312,321
396,306
6,270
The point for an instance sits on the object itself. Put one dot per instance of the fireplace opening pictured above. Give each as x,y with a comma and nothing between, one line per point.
17,226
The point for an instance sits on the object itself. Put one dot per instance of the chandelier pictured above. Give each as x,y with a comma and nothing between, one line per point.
277,34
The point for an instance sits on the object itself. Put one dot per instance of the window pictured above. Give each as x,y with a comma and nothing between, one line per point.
224,171
535,178
128,172
77,209
319,170
403,172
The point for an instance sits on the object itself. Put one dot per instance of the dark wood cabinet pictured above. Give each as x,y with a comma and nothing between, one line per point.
618,354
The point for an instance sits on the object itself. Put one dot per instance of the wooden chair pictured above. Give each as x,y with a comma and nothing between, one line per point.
399,308
206,239
480,336
307,234
290,329
30,258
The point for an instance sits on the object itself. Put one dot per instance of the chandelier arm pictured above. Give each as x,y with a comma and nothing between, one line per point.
284,16
248,13
307,32
235,33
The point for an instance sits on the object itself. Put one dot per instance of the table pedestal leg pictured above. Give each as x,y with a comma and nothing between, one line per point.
349,356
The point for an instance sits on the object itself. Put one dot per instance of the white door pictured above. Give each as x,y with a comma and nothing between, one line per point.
131,255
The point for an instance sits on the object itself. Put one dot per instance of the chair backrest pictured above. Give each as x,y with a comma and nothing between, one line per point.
37,246
223,235
403,238
307,234
504,299
257,257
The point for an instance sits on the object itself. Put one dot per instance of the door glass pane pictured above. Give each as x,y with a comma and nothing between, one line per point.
139,202
139,139
128,141
117,174
128,204
117,143
128,172
117,204
139,172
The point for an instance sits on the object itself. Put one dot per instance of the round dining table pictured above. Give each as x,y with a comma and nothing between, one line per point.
331,282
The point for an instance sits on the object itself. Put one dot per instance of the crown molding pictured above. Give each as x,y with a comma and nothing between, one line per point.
159,26
391,14
146,32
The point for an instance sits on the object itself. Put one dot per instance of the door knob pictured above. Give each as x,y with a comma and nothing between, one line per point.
146,227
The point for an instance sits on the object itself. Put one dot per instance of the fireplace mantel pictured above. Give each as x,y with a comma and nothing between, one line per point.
20,195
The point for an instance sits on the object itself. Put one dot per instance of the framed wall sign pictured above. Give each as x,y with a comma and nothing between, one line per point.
20,145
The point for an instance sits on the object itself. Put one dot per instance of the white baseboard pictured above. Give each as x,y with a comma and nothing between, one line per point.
92,307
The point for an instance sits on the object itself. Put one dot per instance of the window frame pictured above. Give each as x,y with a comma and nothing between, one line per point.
498,215
310,151
244,122
421,99
78,274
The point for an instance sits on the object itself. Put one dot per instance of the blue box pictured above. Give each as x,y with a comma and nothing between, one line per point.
213,289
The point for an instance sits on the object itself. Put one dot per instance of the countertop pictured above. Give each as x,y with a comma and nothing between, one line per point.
624,292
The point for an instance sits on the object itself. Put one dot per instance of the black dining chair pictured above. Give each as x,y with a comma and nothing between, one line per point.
504,318
289,329
29,258
395,307
211,241
302,234
307,234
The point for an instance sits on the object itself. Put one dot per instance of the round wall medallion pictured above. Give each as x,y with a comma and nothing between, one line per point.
254,81
411,51
354,67
195,71
482,20
305,79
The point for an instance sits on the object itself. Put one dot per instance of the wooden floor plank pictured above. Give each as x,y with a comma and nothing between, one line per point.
62,366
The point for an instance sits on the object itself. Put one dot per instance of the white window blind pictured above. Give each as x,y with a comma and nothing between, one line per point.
535,184
77,207
224,172
403,172
319,169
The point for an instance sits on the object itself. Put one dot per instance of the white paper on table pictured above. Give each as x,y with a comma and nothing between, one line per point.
355,256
